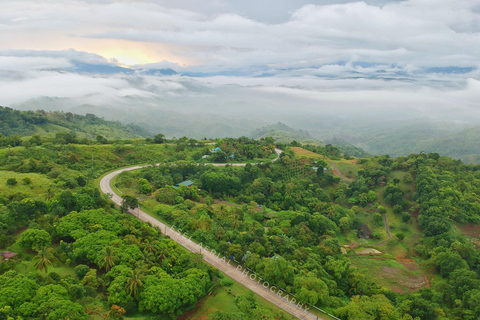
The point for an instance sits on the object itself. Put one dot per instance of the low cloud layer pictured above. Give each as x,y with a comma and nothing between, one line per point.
268,59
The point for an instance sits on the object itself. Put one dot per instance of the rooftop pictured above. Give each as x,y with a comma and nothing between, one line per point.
187,183
8,254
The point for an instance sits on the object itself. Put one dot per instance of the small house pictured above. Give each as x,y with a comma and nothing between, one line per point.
205,156
187,183
7,255
217,149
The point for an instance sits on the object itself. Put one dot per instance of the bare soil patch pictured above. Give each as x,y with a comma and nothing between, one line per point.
471,230
368,251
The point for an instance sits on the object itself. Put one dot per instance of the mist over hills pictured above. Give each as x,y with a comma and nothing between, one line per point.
382,116
458,139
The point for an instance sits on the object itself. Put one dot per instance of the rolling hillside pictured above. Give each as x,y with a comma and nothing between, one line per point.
15,122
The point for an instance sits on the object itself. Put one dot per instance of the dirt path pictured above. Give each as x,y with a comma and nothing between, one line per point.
387,227
335,169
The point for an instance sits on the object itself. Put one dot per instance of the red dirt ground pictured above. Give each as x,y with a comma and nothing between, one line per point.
471,230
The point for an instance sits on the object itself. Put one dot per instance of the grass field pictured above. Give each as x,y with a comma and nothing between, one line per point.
401,276
348,168
223,299
307,154
35,190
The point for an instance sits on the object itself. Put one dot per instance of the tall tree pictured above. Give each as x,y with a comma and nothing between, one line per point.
129,202
108,258
43,259
134,282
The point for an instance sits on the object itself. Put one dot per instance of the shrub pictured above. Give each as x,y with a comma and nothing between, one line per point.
12,182
226,282
81,270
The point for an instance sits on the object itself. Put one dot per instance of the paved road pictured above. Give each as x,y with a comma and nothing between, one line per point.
234,272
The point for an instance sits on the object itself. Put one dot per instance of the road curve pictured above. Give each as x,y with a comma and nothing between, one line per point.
210,258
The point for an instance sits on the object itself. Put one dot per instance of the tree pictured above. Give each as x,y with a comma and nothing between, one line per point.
108,258
35,239
345,224
144,186
15,289
134,282
91,279
311,289
159,138
129,202
449,261
400,236
116,313
101,139
378,219
81,270
43,259
279,271
364,307
406,217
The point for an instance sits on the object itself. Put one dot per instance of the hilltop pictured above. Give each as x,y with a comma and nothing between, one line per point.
283,133
24,123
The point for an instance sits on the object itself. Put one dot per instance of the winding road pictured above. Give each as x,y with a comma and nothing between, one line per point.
238,273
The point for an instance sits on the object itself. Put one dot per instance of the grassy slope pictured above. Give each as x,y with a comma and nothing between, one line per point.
36,190
49,123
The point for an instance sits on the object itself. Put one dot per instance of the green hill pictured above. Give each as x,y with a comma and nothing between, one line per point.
284,134
463,145
24,123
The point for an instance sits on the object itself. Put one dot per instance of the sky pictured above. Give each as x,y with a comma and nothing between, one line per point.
421,54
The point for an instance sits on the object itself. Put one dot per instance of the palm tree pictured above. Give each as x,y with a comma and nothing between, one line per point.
50,194
149,247
161,253
43,258
108,258
235,221
134,282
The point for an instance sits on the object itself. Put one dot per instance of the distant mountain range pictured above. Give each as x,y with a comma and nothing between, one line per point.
142,117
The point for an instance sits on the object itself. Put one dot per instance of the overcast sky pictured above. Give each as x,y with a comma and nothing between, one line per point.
412,48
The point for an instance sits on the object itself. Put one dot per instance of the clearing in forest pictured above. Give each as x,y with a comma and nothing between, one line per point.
400,275
306,153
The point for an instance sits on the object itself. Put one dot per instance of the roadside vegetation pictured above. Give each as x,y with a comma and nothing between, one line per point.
363,238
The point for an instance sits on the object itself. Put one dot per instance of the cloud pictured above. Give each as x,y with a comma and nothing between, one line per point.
9,63
415,55
414,32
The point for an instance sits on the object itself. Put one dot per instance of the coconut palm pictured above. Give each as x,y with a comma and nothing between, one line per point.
108,258
149,248
43,259
134,282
